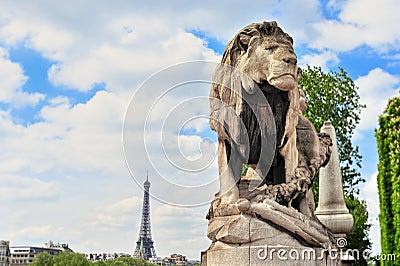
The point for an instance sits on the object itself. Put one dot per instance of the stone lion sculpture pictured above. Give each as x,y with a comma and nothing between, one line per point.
264,53
255,109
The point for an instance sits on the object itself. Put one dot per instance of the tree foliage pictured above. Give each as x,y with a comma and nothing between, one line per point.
358,238
388,142
67,258
333,97
43,259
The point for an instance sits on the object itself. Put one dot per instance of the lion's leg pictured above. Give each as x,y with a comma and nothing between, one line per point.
228,170
291,155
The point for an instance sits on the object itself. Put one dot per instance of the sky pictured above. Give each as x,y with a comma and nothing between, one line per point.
93,94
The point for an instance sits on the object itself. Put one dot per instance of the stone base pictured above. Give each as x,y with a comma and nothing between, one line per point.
255,255
245,229
245,240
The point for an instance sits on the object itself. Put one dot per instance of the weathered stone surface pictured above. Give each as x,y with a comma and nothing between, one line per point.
338,223
243,205
236,230
283,224
276,255
238,238
289,255
256,106
214,226
235,256
256,109
289,220
253,107
265,234
332,210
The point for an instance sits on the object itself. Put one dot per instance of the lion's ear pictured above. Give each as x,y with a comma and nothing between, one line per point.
254,42
244,40
247,41
238,47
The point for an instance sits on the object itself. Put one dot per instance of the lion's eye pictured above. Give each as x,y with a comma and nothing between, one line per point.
271,47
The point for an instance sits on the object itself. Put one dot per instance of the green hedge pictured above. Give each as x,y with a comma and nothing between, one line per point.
388,141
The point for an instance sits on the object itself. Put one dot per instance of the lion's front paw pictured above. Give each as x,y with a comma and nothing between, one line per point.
243,205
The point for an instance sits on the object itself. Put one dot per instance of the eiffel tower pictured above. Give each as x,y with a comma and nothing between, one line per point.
144,244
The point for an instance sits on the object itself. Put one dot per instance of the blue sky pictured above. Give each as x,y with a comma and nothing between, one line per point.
35,67
68,72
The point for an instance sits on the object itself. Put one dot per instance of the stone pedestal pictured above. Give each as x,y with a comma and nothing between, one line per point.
268,255
258,243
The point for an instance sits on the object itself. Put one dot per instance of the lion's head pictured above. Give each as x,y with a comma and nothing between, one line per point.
265,53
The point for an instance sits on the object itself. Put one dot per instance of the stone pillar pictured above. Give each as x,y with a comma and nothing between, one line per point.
332,210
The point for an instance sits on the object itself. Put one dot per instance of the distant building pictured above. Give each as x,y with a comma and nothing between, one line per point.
178,259
93,257
62,246
23,255
4,253
173,259
156,260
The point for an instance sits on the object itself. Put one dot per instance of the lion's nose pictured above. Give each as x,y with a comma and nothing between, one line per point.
290,60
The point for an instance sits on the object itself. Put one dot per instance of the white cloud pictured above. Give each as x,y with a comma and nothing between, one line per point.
336,36
324,60
26,188
22,25
21,99
373,23
69,136
12,78
125,206
37,232
377,21
164,230
97,50
79,148
119,214
115,64
297,17
375,89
